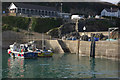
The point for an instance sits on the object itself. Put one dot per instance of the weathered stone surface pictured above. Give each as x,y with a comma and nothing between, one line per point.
108,49
55,46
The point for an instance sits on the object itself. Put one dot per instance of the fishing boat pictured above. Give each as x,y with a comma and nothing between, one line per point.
44,51
28,50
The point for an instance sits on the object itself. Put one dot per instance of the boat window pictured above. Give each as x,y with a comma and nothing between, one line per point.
30,48
22,47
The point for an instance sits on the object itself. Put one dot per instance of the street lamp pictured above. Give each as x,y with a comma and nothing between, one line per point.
111,13
84,28
61,6
77,21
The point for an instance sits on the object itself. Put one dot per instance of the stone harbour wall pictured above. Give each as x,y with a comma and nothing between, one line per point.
107,49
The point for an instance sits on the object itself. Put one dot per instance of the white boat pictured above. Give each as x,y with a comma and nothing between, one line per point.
28,50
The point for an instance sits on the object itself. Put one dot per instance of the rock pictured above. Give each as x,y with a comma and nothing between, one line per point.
73,34
62,30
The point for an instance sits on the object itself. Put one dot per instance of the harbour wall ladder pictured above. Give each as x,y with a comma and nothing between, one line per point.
64,46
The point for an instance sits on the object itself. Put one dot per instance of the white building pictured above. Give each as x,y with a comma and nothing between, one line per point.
111,12
20,9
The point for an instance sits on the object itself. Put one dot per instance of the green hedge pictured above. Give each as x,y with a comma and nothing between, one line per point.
38,24
45,24
20,22
99,24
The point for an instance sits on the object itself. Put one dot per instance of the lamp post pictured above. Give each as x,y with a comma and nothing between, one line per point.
77,21
84,28
61,6
111,13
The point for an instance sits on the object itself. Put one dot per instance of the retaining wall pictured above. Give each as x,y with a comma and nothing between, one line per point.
55,46
108,49
72,45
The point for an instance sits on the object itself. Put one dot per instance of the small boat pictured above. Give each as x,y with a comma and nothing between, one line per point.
28,50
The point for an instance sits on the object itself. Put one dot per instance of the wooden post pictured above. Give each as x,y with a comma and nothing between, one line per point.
91,45
92,48
109,34
78,47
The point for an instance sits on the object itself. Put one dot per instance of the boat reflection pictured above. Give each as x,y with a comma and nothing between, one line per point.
16,68
92,67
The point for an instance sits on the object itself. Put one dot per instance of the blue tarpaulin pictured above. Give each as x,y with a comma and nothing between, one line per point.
96,39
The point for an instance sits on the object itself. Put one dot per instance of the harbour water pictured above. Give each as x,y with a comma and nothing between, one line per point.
59,66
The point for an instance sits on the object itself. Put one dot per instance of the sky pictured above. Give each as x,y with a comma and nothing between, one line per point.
112,1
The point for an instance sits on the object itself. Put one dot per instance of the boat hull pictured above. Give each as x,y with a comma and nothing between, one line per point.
16,54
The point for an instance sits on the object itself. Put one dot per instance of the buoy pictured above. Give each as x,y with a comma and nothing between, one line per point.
9,52
18,54
21,54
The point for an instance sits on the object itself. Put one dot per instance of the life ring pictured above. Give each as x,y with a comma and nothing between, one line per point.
9,52
39,54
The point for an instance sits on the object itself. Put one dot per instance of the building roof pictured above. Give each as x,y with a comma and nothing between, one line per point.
113,9
31,6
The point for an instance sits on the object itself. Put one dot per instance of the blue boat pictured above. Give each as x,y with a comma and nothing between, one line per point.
28,50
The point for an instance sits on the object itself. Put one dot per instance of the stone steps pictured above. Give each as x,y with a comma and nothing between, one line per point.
64,47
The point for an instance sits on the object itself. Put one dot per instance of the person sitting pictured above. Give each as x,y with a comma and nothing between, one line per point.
26,48
44,48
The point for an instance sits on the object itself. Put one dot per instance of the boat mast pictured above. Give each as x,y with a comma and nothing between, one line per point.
29,29
42,41
28,34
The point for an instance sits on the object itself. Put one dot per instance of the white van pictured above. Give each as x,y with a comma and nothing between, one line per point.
75,17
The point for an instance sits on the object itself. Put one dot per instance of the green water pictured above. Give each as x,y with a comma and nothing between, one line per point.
59,66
